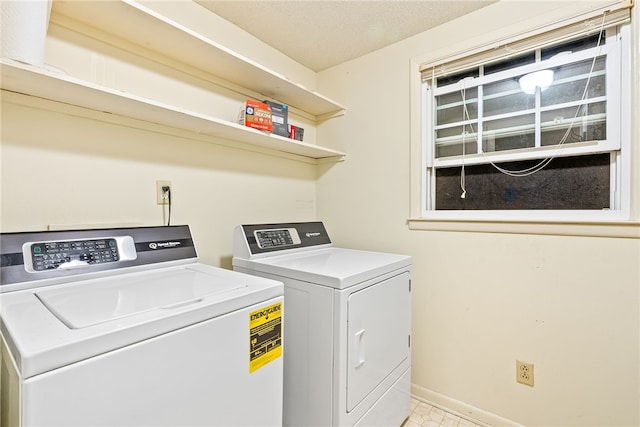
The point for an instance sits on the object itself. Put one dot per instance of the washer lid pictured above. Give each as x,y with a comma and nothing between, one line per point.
335,267
54,326
127,295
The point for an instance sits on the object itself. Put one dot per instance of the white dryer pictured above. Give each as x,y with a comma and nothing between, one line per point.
347,359
123,327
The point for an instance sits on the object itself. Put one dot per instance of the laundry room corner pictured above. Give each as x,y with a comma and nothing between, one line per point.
485,298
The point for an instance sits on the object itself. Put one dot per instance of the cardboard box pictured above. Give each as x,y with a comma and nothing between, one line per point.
279,118
256,115
296,132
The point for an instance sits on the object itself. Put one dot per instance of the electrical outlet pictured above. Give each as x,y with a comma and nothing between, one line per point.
524,373
162,197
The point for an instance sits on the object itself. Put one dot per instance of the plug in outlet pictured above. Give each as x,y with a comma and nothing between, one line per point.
524,373
162,196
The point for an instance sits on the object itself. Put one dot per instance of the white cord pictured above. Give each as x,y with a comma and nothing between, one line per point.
463,92
543,163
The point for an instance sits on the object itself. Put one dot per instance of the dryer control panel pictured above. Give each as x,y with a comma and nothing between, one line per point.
257,239
276,237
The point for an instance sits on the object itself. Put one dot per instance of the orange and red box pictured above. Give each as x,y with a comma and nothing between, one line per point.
256,115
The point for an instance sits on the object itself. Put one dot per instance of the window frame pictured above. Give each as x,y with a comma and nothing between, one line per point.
617,49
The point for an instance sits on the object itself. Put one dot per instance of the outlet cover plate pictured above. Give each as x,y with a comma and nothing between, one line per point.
159,193
524,373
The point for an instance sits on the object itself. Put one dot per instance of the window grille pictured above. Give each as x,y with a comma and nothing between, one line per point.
481,121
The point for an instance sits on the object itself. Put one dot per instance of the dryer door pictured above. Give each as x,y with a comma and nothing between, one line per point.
379,319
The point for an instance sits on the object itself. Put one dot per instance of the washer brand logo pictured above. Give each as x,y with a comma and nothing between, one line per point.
164,245
266,312
313,234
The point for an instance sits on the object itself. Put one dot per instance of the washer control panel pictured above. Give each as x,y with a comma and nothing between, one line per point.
50,255
31,259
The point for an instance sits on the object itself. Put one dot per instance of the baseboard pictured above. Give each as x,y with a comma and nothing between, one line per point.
456,407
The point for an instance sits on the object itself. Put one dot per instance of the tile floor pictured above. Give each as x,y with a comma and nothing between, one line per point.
426,415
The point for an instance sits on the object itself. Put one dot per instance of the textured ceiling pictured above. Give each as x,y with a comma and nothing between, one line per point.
321,34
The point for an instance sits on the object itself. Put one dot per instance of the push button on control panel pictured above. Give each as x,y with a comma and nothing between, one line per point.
276,238
52,255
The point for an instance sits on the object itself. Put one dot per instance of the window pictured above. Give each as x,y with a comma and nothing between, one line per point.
540,130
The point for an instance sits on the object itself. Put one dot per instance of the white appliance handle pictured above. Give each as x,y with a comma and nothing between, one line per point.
359,346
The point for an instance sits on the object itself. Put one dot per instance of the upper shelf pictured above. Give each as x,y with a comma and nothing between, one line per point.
60,88
142,26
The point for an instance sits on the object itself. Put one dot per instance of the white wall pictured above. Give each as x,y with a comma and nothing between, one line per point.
68,171
60,169
569,305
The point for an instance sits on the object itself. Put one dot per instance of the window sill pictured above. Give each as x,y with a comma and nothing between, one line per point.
614,229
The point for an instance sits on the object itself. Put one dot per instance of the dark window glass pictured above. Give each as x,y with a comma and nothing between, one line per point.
510,63
572,46
580,182
449,107
445,80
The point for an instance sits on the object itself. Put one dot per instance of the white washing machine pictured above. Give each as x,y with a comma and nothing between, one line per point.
347,359
123,327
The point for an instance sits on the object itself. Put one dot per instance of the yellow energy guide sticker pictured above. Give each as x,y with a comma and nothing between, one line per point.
265,336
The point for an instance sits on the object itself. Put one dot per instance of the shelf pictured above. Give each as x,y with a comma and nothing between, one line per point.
59,88
142,26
